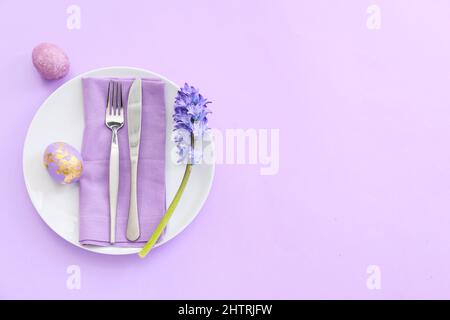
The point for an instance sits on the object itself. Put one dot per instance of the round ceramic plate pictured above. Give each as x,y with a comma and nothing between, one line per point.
60,118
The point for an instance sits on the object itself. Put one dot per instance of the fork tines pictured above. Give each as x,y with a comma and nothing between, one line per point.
114,104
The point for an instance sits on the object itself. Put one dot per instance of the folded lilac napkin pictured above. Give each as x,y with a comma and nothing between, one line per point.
94,187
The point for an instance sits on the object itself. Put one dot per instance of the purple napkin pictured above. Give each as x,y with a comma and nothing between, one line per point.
94,188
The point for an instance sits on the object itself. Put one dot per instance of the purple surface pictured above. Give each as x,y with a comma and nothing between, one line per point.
94,187
364,174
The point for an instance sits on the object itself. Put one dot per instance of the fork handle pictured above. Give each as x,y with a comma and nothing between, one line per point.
133,231
113,184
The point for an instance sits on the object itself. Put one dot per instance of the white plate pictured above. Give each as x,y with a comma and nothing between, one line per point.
60,118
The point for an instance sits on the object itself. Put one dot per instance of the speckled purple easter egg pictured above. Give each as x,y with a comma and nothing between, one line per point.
50,61
63,162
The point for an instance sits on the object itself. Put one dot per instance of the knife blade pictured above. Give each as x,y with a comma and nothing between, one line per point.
134,115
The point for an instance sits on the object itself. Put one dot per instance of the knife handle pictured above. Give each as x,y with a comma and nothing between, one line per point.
113,185
133,231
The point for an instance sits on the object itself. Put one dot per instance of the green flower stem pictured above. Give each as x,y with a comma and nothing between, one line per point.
159,229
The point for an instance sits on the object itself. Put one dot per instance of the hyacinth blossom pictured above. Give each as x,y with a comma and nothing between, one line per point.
190,119
190,122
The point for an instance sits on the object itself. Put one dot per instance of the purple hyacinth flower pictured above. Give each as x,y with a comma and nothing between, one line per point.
190,122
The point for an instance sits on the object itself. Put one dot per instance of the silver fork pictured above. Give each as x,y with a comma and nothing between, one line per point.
114,120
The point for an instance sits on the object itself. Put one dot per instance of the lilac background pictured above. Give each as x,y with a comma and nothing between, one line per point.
364,123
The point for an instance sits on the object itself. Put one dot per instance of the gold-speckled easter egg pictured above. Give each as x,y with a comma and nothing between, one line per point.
63,163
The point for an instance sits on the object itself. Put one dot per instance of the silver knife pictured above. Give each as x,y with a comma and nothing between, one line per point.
134,113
